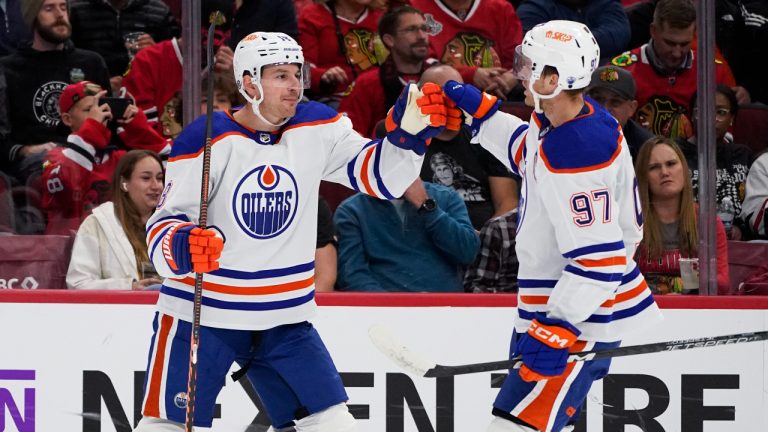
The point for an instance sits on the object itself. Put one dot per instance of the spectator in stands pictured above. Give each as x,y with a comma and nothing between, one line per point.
606,20
340,42
614,88
476,37
733,160
156,72
665,70
756,202
487,187
7,222
102,26
670,229
420,242
36,76
76,175
742,35
326,261
374,91
263,15
495,267
13,31
110,250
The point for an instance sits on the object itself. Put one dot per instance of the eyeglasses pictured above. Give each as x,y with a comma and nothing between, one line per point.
720,113
415,29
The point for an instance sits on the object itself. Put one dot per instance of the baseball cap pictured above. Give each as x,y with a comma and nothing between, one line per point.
613,78
74,92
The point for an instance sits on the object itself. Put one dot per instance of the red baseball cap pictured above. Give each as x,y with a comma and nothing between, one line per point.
74,92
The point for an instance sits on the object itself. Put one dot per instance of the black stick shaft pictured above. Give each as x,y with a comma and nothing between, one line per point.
203,222
444,371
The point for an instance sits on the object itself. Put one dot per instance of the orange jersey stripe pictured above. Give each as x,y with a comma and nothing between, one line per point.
364,171
157,229
313,123
534,299
486,103
152,405
199,152
610,261
245,290
519,154
627,295
537,413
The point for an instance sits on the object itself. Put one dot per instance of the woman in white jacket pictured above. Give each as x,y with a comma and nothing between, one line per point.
110,248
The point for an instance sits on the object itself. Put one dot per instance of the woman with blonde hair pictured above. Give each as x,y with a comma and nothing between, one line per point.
110,250
670,229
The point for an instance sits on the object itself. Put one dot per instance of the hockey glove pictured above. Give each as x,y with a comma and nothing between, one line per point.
190,248
416,117
544,348
454,116
477,105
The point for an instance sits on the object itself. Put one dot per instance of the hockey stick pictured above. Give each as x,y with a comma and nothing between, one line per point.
388,344
203,221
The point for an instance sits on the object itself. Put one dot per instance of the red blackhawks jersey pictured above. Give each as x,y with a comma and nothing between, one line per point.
319,41
485,37
153,77
77,176
664,99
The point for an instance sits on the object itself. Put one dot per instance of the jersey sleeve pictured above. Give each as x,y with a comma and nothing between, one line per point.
180,202
374,167
582,208
503,135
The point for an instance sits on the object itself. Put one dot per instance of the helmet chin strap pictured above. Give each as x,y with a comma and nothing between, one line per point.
537,96
254,103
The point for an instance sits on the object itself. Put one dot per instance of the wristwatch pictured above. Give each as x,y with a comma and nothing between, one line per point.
428,206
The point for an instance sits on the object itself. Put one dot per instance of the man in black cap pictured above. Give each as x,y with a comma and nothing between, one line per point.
614,88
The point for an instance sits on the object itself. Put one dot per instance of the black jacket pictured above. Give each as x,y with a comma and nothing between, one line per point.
34,82
99,27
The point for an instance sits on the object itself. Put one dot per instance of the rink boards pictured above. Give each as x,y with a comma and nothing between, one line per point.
74,361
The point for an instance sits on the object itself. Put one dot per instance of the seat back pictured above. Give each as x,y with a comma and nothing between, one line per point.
34,261
746,259
751,127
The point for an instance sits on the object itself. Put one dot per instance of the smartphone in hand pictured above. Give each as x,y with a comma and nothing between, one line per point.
116,105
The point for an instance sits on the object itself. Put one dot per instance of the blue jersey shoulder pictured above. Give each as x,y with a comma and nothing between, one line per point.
310,112
586,143
192,139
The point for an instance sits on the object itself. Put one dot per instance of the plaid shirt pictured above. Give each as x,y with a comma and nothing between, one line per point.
495,268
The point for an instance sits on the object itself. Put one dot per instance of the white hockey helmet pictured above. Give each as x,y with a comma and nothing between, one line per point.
567,46
260,49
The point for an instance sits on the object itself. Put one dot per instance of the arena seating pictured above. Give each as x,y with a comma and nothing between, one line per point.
34,261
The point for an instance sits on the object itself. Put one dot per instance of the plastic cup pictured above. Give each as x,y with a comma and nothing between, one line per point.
689,272
131,41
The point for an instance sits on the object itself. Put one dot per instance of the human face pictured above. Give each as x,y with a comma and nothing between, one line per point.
282,87
723,116
665,173
444,174
78,114
544,86
171,127
622,109
52,22
410,41
145,185
220,102
671,45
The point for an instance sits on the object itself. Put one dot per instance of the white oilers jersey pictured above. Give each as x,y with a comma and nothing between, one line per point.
580,222
263,200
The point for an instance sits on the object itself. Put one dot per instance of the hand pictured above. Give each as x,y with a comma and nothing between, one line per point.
735,233
101,113
143,284
416,193
485,77
223,59
115,83
334,75
29,150
145,40
453,114
501,85
742,95
471,100
544,348
130,114
187,247
416,117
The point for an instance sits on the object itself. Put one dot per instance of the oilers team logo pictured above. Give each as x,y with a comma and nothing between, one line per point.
180,400
265,200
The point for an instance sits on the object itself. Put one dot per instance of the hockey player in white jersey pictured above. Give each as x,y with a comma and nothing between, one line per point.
579,224
267,161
